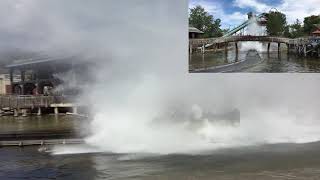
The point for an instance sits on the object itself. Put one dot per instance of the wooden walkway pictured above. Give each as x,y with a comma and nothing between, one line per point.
302,46
41,142
14,101
220,40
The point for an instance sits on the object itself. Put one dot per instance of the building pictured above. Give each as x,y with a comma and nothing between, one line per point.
317,31
43,74
5,87
194,32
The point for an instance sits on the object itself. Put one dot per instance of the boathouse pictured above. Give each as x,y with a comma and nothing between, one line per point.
41,75
194,33
45,84
317,31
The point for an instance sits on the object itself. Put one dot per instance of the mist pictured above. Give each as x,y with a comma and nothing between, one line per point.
253,29
140,49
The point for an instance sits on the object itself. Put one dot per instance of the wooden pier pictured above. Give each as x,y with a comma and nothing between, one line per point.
22,143
306,46
27,104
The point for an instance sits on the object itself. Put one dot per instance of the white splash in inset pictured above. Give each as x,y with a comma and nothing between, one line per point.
253,29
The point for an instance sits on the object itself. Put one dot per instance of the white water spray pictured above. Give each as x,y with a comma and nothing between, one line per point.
142,75
253,29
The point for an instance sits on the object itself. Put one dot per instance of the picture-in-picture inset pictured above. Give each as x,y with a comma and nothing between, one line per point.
243,37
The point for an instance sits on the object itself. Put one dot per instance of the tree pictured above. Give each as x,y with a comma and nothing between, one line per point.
309,24
276,24
294,30
202,20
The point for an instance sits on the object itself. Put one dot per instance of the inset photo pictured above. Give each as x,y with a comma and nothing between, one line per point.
250,36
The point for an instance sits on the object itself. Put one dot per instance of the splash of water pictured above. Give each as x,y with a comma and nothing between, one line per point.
253,29
142,75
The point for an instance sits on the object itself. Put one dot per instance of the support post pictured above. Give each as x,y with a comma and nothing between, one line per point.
288,49
190,49
305,50
11,81
236,44
203,48
15,112
75,110
56,110
226,52
22,89
269,47
226,48
39,111
279,47
24,112
237,50
22,74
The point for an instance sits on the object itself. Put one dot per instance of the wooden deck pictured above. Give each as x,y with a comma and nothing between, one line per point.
41,142
21,102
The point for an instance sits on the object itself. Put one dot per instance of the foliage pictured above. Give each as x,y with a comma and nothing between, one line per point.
276,24
202,20
309,24
294,30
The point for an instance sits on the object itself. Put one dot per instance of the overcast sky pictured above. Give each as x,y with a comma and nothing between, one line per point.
233,12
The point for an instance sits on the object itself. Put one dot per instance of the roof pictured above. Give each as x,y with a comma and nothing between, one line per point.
316,32
36,60
194,30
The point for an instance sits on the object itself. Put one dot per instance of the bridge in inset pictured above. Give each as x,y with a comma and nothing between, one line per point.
235,39
300,45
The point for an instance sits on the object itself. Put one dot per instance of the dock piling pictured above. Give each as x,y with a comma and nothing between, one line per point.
24,112
56,110
15,112
75,110
39,111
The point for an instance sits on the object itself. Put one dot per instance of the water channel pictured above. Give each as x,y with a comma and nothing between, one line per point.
254,60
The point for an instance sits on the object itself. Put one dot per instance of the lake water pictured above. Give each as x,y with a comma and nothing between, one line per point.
281,161
277,161
40,123
261,62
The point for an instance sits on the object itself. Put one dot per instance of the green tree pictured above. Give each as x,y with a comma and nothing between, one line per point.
294,30
202,20
309,24
276,24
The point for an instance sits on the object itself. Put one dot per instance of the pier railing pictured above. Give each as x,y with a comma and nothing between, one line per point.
296,41
16,102
236,39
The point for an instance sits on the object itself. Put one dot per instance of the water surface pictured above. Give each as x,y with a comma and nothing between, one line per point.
272,62
281,161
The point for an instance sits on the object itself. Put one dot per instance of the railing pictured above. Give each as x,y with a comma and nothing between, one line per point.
237,38
297,41
12,101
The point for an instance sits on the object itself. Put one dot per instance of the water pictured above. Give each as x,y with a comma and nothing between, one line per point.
281,161
137,79
262,62
272,63
40,123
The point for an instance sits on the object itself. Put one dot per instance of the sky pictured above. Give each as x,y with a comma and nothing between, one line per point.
233,12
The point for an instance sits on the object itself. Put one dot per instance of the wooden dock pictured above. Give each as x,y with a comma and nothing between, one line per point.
22,143
51,137
25,104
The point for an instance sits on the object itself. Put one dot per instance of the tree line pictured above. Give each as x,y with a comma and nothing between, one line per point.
276,25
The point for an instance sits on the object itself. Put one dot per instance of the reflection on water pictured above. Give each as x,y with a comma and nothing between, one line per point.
40,123
282,161
272,62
